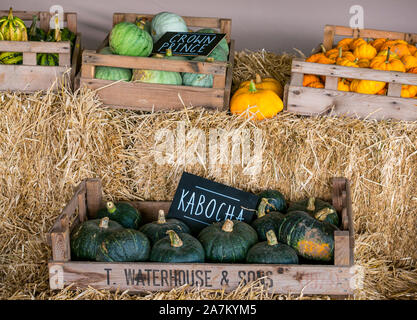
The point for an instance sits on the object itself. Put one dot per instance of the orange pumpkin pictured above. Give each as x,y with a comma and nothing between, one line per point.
344,44
387,63
409,62
260,103
343,85
363,63
378,43
399,47
413,49
316,84
310,78
366,86
332,53
408,91
412,70
265,83
382,92
320,57
356,43
345,61
365,51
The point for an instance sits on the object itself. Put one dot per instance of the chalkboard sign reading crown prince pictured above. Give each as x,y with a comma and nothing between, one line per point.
188,43
200,202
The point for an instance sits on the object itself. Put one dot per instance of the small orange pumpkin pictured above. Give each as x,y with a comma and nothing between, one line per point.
365,51
366,86
260,103
408,91
310,78
356,43
343,85
387,63
363,63
378,43
320,57
412,70
409,62
413,49
398,47
344,44
316,84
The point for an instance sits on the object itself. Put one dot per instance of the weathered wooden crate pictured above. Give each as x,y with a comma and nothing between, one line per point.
313,101
334,279
147,96
29,77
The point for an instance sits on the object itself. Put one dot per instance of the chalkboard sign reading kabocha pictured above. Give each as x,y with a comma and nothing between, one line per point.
200,202
188,43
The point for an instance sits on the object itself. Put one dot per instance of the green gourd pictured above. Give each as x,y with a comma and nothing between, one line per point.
177,248
272,252
112,73
128,39
126,245
34,33
47,59
318,209
156,230
223,43
166,22
198,79
87,236
123,213
265,222
275,201
157,76
227,241
312,239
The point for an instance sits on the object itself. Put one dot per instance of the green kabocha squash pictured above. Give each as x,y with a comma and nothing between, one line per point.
157,76
198,79
227,241
271,251
312,239
35,33
166,22
87,236
156,230
129,39
177,248
318,209
223,43
11,58
126,245
13,28
218,54
47,59
265,222
123,213
112,73
274,201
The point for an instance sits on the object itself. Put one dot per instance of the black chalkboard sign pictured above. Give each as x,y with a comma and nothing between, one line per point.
188,43
200,202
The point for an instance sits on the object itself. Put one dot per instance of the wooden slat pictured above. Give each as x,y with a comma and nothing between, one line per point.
82,207
87,71
300,66
92,58
145,276
150,209
61,249
28,15
328,37
29,58
296,79
226,27
148,96
29,78
331,83
76,58
35,46
72,22
229,76
120,17
312,101
394,89
44,18
94,196
349,212
341,248
369,33
65,59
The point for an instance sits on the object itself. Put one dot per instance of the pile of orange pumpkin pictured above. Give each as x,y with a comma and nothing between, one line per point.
379,54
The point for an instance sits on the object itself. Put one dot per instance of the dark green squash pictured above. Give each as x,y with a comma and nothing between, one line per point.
271,251
265,222
126,245
87,236
35,33
312,239
318,209
177,248
227,241
156,230
123,213
275,201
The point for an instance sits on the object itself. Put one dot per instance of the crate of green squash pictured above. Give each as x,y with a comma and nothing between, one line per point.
34,56
290,248
129,76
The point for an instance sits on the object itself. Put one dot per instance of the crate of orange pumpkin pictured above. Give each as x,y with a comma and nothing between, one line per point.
367,74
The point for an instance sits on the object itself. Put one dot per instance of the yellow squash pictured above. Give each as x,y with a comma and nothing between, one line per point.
366,86
265,83
257,103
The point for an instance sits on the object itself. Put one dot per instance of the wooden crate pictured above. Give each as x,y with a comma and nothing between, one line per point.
310,279
29,77
312,101
148,96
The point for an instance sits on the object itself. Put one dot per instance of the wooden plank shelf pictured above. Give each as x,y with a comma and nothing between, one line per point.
310,279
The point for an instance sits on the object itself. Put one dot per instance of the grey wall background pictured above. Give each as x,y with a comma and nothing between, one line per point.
271,24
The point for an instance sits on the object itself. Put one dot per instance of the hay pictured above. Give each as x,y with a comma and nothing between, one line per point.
49,143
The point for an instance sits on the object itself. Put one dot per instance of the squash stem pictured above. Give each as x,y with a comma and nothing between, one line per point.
175,239
323,213
310,205
261,208
161,217
104,223
10,16
340,52
228,226
271,238
252,87
388,54
323,48
258,78
168,53
111,208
